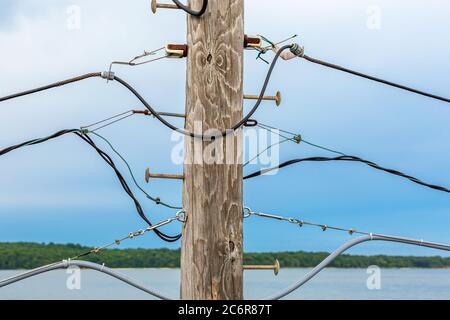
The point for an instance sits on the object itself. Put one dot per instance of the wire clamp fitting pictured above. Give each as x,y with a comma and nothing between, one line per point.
298,139
247,212
298,50
108,75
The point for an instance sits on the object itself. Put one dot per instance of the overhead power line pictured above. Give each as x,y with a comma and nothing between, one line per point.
190,11
362,75
111,76
351,159
158,200
352,243
51,86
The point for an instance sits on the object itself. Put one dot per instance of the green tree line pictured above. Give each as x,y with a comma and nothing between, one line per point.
32,255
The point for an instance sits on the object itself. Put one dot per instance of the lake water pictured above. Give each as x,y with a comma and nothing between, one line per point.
347,284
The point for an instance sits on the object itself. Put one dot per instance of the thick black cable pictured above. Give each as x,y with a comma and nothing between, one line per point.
154,113
190,11
347,158
125,186
108,160
51,86
362,75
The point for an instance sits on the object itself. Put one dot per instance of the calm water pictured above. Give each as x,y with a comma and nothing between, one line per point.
345,284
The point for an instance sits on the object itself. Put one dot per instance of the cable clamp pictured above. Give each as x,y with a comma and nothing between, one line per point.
108,75
298,139
298,50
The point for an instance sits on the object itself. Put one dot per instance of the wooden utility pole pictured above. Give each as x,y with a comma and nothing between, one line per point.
212,246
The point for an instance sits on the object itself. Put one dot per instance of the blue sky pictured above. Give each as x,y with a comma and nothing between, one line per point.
62,192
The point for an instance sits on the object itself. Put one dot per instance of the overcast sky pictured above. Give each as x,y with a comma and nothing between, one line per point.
62,192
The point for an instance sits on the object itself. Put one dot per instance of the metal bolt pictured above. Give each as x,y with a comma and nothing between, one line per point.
155,6
276,98
149,176
276,267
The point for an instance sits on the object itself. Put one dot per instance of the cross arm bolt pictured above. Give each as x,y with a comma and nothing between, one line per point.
276,98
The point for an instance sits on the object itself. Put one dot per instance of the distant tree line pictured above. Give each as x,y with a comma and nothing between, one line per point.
32,255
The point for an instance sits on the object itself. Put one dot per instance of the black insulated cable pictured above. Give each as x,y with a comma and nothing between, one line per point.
111,76
351,159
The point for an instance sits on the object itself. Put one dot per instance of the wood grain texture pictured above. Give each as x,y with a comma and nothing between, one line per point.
212,247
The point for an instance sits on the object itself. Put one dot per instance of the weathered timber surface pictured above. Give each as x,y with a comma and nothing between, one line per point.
212,248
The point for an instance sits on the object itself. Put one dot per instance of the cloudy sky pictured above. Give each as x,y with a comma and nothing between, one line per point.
62,192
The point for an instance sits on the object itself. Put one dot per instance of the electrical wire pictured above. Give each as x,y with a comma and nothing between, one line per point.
131,235
190,11
265,150
36,141
110,76
84,265
84,136
297,138
110,121
325,263
362,75
351,159
158,201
